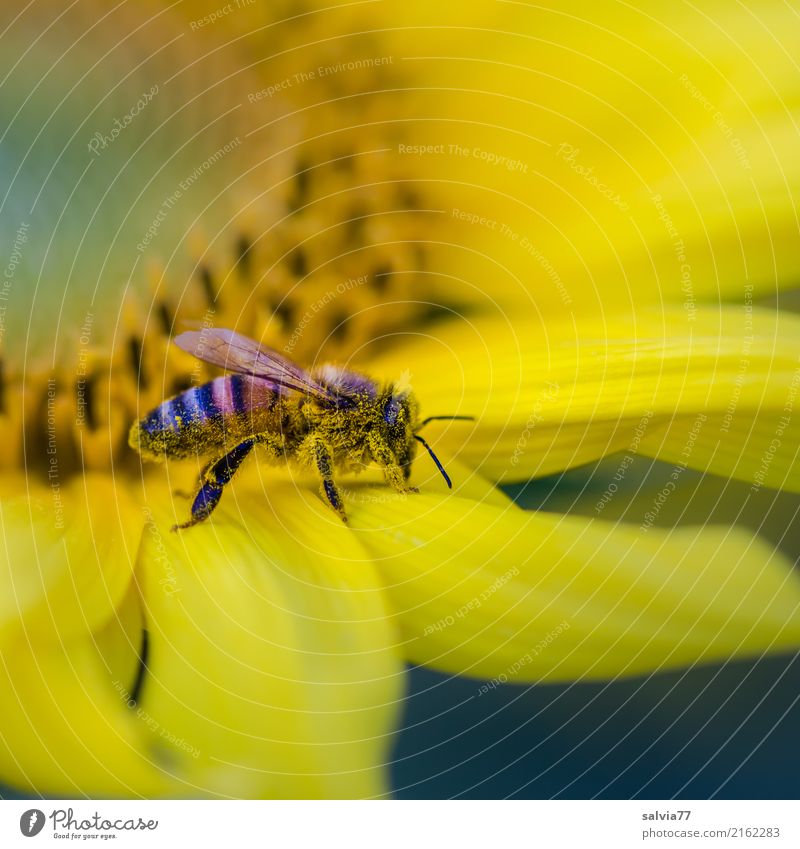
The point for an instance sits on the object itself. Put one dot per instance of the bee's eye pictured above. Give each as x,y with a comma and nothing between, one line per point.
391,411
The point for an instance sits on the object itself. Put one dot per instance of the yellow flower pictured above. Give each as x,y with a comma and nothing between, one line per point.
262,652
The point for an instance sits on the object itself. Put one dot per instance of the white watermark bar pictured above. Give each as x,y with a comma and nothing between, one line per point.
401,824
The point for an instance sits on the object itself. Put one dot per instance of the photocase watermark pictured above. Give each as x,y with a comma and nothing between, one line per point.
473,604
20,238
100,141
184,185
196,375
523,661
744,362
168,580
783,423
549,393
489,157
321,71
611,489
221,12
320,304
570,155
685,268
465,151
66,825
52,453
160,218
523,242
383,495
153,724
727,131
82,388
677,470
531,249
31,822
625,463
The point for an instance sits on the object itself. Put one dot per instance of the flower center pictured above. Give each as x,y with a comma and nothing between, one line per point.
316,238
317,292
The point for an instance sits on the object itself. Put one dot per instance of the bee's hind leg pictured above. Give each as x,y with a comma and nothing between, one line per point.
213,480
203,505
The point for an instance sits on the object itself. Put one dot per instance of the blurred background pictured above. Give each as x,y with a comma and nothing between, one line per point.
545,160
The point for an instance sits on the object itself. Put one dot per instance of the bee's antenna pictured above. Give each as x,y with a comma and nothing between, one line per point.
447,418
439,466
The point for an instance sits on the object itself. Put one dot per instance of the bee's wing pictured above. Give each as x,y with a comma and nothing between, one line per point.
234,352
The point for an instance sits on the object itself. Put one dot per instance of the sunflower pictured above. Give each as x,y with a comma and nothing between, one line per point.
177,168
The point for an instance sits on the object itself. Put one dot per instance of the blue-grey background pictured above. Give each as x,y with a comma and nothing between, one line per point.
727,732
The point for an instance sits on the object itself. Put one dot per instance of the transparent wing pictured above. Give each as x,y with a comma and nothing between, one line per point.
234,352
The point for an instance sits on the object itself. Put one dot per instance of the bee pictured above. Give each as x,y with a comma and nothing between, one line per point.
326,419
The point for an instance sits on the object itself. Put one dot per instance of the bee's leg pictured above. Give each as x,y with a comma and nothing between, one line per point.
213,480
395,474
203,505
324,463
405,465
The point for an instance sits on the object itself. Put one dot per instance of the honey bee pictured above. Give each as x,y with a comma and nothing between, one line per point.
325,419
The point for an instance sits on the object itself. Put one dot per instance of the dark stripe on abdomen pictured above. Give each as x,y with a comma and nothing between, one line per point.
192,408
206,402
238,384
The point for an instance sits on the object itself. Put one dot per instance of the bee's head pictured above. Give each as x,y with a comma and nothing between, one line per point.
398,406
396,410
399,420
397,414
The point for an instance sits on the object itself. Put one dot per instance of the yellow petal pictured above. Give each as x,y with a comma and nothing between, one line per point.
593,155
65,727
759,448
67,562
273,670
552,395
467,483
66,558
515,596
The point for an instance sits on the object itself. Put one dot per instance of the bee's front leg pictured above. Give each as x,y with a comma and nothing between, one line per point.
395,474
213,479
322,457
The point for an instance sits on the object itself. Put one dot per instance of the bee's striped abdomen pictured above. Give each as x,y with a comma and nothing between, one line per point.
193,407
199,415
